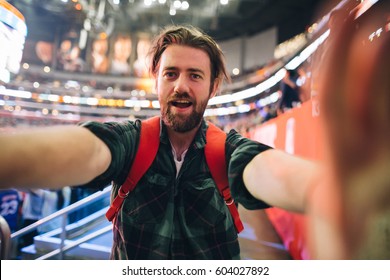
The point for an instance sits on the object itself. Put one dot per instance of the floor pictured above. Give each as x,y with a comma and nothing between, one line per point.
259,240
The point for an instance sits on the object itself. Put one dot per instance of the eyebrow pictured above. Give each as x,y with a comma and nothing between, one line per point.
191,70
196,70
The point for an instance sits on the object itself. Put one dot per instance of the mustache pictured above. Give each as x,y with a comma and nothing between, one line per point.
180,95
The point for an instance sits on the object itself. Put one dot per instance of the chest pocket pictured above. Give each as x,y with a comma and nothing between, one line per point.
203,205
148,202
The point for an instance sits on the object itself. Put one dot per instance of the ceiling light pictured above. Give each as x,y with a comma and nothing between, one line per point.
185,5
177,4
148,2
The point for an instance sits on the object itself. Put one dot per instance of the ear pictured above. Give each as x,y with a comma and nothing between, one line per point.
215,88
155,83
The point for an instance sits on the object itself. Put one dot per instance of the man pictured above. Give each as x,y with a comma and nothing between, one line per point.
290,92
176,211
10,204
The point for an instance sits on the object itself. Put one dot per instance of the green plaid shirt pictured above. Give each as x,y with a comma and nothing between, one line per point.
169,217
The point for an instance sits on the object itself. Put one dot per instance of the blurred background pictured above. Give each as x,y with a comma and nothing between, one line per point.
66,61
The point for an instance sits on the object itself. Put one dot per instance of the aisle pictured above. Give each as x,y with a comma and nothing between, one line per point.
259,239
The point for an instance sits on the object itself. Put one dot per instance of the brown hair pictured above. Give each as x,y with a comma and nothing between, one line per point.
192,37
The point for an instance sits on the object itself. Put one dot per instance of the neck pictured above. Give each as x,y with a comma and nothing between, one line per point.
181,141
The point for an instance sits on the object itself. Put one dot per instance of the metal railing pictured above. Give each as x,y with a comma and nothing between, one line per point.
74,244
64,214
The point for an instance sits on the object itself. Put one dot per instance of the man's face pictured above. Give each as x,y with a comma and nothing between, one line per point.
183,85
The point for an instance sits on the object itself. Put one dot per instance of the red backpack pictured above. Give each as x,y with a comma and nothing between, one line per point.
147,150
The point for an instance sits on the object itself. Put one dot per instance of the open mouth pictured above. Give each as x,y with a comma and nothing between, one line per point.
181,103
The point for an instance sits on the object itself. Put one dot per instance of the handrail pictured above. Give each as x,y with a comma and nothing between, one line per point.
5,237
64,213
76,243
66,210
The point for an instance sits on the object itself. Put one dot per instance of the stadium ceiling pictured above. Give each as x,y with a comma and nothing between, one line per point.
223,19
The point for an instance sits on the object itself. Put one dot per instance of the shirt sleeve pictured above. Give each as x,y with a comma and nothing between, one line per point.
122,140
242,151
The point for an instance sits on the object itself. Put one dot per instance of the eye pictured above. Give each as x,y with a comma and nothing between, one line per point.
196,76
170,74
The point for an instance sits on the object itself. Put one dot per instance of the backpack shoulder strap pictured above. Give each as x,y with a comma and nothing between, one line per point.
215,158
147,149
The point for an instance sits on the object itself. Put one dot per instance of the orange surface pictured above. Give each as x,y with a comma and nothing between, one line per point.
11,8
298,132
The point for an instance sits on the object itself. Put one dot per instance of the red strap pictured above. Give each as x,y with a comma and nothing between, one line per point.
147,150
215,157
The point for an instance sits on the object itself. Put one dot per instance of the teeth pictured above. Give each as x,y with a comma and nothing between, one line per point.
181,103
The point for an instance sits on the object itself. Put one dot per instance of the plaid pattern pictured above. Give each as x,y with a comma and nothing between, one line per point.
174,218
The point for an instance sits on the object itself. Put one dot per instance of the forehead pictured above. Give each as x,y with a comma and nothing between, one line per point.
185,57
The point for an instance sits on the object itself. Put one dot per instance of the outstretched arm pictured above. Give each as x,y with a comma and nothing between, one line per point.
51,157
280,179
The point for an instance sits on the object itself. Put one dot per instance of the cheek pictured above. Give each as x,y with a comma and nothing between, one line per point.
160,88
202,92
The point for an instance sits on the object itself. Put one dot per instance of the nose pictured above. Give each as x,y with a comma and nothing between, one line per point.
181,84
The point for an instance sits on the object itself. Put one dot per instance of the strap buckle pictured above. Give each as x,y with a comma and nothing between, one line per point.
229,201
122,194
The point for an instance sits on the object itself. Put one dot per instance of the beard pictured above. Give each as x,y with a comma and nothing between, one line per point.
184,123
